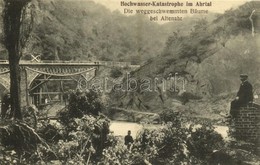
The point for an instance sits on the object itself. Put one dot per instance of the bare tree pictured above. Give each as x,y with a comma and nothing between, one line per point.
14,40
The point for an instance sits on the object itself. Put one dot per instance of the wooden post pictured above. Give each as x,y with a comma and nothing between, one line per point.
26,88
62,92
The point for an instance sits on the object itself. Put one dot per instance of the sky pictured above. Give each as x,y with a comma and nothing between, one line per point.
218,6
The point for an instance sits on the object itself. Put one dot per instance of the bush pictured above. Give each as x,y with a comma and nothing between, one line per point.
80,104
85,130
51,132
140,153
78,138
82,137
19,143
173,145
168,115
203,141
85,142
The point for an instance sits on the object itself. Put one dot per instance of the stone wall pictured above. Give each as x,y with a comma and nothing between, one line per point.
246,126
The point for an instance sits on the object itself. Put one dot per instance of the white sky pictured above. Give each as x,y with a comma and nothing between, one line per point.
217,5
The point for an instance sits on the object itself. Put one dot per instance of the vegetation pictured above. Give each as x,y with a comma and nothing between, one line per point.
81,134
84,30
115,73
172,144
77,137
84,138
206,56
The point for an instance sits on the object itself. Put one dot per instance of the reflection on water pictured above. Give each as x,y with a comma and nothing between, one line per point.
120,128
222,130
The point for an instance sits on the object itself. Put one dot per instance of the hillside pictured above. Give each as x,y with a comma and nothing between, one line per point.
84,30
207,53
208,60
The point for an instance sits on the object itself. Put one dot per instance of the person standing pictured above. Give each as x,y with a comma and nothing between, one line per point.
128,139
244,95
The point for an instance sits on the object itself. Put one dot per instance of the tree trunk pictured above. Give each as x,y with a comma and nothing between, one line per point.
12,20
15,78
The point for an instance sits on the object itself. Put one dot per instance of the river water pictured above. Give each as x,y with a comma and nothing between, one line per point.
120,128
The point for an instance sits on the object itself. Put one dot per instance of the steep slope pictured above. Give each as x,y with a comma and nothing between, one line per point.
84,30
208,60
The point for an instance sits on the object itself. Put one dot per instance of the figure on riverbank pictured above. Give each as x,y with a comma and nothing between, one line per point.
128,140
145,140
244,95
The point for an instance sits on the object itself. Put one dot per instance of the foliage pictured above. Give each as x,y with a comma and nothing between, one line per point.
115,73
205,33
51,132
88,142
172,146
140,153
203,141
29,115
237,21
174,143
18,135
83,132
80,104
189,46
164,146
85,142
71,30
81,138
10,157
169,115
20,142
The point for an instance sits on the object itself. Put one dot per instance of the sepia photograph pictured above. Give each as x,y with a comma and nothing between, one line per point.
129,82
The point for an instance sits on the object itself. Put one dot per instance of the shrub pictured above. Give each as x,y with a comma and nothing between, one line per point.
85,130
140,152
86,141
168,115
203,141
51,132
19,143
80,104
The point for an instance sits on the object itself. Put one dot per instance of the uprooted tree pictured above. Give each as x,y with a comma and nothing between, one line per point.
16,33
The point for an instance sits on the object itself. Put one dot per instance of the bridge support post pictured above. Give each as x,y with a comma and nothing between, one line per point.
23,82
62,91
26,87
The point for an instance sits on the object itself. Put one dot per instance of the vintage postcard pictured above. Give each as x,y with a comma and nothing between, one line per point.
130,82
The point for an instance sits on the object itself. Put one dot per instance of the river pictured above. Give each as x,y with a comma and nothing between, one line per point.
120,128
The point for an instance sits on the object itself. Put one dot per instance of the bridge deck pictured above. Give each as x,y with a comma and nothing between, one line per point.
52,63
72,63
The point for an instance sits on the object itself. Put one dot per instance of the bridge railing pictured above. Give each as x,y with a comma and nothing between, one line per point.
58,61
105,63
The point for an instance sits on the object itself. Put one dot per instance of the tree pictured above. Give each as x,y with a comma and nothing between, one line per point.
14,40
